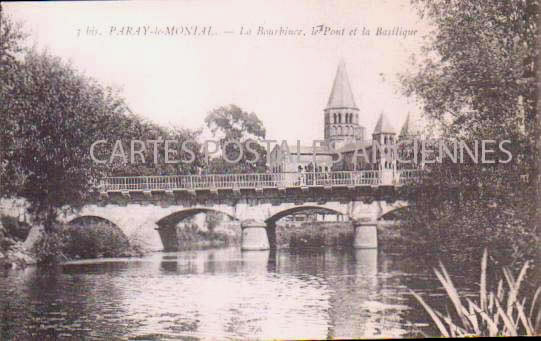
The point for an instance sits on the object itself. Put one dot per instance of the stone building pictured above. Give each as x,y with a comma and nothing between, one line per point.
344,132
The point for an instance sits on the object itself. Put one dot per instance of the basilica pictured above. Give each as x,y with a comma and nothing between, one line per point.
345,133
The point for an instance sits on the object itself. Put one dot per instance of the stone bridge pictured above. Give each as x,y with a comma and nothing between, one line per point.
257,202
152,206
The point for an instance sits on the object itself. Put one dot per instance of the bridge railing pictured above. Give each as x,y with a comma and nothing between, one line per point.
253,181
408,176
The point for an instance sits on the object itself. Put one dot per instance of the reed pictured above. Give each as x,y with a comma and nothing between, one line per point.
499,313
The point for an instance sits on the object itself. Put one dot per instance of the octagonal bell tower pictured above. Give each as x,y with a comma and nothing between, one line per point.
342,114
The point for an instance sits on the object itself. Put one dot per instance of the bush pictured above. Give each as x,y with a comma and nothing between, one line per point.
83,241
95,241
14,228
190,237
48,249
462,229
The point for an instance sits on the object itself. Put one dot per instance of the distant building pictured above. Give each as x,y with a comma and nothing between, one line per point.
344,133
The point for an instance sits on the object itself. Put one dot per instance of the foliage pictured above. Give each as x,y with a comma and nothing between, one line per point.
459,221
190,236
50,116
476,80
14,228
479,66
55,114
231,123
95,241
132,127
48,249
301,236
83,241
213,219
11,38
499,313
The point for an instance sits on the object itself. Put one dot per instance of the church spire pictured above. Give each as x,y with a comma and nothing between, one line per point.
341,94
383,126
410,127
405,131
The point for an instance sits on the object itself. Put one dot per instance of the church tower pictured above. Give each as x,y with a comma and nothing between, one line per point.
384,134
342,114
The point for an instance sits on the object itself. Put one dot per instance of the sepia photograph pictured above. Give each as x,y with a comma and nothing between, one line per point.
270,170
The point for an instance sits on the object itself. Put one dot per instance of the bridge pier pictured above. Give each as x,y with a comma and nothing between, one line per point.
254,236
169,237
365,235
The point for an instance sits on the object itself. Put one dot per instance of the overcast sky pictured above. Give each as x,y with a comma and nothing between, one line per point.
286,81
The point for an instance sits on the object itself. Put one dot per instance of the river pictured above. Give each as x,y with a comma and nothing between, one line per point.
222,294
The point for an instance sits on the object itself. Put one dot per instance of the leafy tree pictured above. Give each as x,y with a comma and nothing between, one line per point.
231,123
477,80
54,115
11,39
132,127
478,77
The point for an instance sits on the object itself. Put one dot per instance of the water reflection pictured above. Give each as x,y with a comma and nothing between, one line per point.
222,293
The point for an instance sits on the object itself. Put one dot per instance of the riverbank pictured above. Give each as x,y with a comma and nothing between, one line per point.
21,245
13,253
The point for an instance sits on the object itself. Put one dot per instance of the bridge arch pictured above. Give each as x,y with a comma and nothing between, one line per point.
275,217
176,217
393,212
86,219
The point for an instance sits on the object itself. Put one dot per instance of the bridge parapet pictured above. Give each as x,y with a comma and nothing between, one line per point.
257,181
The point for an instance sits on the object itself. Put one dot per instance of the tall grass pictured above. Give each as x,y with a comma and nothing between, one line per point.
499,313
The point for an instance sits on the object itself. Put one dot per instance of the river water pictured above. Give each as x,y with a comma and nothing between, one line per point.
222,294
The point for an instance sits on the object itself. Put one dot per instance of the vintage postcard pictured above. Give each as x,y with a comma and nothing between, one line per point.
269,170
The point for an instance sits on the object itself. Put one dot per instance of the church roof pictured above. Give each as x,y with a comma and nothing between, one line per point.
303,150
383,125
352,146
341,94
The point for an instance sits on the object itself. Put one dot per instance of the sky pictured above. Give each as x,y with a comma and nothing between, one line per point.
286,80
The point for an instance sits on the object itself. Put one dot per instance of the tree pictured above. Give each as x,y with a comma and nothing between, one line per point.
231,123
50,116
54,115
476,80
131,127
11,39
